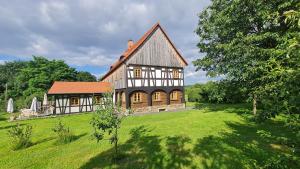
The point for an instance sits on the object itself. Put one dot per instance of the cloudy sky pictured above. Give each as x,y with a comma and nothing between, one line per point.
91,34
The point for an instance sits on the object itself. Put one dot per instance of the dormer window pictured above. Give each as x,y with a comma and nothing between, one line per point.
175,73
137,72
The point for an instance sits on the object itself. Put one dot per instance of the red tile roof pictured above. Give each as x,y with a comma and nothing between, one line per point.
136,45
80,87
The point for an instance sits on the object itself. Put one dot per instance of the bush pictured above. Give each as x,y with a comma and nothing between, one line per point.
223,91
63,133
20,136
280,162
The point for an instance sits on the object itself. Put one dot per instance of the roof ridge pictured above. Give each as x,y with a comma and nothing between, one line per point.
136,45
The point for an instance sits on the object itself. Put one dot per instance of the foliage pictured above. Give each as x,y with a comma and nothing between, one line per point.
28,79
279,162
83,76
256,44
63,132
107,119
20,136
216,92
8,73
40,73
193,92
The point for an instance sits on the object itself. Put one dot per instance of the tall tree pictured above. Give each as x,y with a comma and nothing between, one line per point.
85,77
248,41
8,73
39,74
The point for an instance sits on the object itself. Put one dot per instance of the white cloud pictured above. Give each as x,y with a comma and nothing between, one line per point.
54,12
95,32
110,27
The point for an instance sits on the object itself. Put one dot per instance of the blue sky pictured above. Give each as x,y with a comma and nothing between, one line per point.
91,34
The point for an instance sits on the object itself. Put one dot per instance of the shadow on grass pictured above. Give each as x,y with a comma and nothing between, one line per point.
43,140
10,126
240,109
3,118
246,148
145,151
242,147
72,139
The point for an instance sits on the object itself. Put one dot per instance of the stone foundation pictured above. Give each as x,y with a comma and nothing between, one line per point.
159,108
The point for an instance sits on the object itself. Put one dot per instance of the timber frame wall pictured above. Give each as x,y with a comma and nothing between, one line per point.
62,103
157,58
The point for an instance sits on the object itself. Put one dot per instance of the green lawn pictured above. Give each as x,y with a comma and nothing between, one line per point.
213,137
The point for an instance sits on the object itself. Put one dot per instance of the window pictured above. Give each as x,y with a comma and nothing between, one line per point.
97,100
137,97
137,72
156,96
174,95
74,101
175,73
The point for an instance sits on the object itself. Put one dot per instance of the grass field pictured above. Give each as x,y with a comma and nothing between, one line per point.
216,136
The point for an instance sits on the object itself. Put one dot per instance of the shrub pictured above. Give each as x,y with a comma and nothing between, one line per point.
20,136
280,162
63,133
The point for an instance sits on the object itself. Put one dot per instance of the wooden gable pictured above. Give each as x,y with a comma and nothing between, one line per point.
157,50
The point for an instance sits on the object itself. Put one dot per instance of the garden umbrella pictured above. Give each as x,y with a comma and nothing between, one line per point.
33,106
45,101
10,106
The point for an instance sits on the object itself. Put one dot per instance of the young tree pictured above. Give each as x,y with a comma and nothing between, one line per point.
248,41
107,119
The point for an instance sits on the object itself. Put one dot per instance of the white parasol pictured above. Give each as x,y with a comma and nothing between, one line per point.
33,106
10,106
45,101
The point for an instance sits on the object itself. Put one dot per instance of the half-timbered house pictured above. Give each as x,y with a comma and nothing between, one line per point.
149,75
74,97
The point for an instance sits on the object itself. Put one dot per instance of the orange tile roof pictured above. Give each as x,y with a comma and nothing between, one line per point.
135,46
80,87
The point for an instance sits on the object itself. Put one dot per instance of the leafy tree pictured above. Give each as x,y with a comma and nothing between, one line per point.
8,72
40,73
107,119
85,77
223,91
28,79
253,44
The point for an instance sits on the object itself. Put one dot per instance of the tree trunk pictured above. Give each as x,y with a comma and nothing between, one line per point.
254,104
116,142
